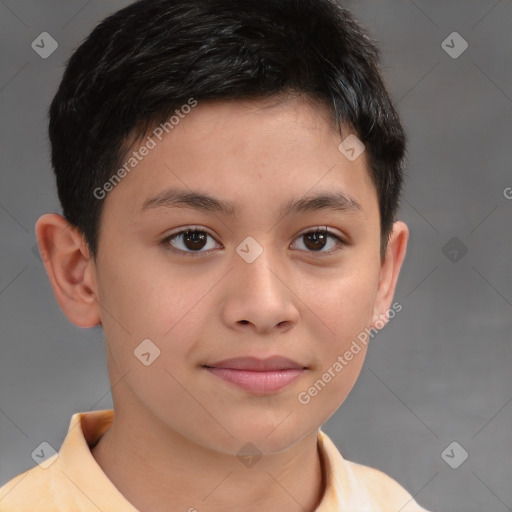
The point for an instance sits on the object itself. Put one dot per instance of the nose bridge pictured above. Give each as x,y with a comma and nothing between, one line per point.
259,294
259,264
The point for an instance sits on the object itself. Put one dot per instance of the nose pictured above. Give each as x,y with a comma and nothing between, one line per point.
260,295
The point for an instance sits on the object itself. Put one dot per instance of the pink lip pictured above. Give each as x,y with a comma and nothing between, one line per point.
258,376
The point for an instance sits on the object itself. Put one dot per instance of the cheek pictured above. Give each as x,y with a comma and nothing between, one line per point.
151,331
345,307
149,302
345,303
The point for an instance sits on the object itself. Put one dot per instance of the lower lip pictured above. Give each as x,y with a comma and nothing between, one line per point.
257,382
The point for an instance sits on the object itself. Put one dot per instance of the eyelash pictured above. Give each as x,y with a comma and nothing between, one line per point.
319,230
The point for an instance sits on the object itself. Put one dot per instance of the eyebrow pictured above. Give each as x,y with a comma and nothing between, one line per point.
202,201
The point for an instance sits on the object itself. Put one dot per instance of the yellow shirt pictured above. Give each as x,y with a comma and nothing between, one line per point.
72,481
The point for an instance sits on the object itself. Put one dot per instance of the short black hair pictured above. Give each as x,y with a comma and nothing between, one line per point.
148,59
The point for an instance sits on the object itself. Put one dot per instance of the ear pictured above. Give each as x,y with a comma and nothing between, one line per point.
390,269
70,268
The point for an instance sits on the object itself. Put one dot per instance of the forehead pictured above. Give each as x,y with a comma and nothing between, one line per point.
240,152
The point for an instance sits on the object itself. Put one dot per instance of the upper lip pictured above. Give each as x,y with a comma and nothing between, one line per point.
256,364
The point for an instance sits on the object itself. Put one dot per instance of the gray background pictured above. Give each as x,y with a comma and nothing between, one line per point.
439,372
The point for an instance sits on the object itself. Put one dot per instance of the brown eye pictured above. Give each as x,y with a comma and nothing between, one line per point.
317,240
189,241
194,240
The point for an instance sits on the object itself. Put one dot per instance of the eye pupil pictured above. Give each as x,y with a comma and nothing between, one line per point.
194,240
319,239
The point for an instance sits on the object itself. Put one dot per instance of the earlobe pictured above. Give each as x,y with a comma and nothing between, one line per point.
390,270
70,269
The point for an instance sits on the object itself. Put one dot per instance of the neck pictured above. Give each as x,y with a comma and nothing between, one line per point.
153,466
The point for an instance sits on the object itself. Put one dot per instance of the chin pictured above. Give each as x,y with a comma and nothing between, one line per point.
268,437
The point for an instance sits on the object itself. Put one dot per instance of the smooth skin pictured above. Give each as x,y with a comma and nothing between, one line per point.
177,427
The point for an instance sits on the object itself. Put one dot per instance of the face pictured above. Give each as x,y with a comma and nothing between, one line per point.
202,284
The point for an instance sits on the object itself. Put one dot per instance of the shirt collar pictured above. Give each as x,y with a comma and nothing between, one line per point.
342,490
78,464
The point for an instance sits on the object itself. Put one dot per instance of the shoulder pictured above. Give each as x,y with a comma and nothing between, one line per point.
363,487
33,489
386,492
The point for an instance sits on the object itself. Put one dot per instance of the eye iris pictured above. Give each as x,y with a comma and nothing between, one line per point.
319,239
194,240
